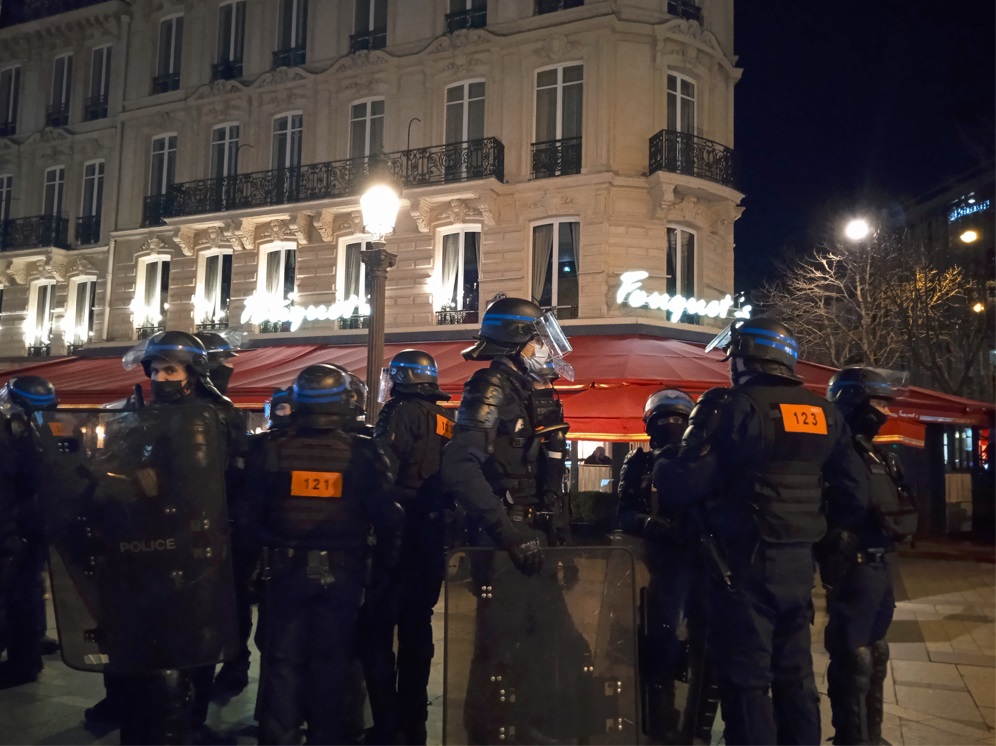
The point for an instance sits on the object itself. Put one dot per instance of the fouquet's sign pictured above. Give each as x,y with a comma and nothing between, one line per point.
261,308
632,294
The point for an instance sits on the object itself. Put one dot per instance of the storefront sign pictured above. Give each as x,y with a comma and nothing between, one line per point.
261,308
964,210
631,293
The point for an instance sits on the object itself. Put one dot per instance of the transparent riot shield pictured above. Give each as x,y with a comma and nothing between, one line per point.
545,659
134,506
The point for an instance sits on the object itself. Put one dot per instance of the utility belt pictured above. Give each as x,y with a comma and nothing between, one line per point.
318,563
875,556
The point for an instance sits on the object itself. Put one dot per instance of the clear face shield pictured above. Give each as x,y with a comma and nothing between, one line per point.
233,342
384,389
133,358
896,386
7,407
549,349
723,340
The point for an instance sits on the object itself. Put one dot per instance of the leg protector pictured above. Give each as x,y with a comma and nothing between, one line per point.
848,683
875,701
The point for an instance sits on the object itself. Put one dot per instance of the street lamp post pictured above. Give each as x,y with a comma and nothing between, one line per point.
379,206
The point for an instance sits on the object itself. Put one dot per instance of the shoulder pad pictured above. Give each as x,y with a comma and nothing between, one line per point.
485,386
703,423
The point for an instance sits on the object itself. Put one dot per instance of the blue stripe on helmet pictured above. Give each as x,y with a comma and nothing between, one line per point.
784,338
778,346
497,318
158,348
36,398
319,396
428,369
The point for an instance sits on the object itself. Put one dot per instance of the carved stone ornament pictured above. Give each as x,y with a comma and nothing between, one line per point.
349,222
155,245
240,236
550,203
686,43
366,84
81,266
11,274
47,268
301,227
324,223
358,61
183,237
423,215
278,230
556,47
213,237
457,40
280,76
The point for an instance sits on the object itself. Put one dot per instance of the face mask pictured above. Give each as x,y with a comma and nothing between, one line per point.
168,392
539,363
668,432
868,420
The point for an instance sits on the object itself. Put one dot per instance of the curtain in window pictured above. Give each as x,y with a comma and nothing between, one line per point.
450,271
542,257
211,287
151,289
274,276
351,286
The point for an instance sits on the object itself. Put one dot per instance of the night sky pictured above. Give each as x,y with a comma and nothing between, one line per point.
840,103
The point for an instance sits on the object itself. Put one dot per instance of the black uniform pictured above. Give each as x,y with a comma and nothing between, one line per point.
856,569
497,467
753,459
412,430
314,491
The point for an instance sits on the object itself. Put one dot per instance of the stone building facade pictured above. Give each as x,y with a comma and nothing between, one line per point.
199,163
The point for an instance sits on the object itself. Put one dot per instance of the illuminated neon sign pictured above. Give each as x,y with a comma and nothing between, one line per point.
632,294
262,307
960,212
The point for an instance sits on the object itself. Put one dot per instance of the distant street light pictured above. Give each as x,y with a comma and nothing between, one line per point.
978,307
969,236
379,206
857,229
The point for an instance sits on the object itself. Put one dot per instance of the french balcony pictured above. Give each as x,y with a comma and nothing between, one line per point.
684,153
39,350
73,347
95,107
685,9
88,230
144,332
466,19
227,70
439,164
376,39
453,317
165,83
274,327
33,233
552,6
12,13
289,57
556,158
356,321
8,128
57,115
212,326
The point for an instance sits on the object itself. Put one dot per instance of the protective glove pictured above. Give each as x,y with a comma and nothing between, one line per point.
524,547
659,529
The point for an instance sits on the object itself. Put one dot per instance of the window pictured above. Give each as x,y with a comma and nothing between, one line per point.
170,51
559,98
458,276
231,39
680,104
467,14
10,94
366,128
6,195
62,76
286,151
224,151
88,224
680,262
152,299
555,266
959,452
214,289
465,112
55,187
352,273
163,172
82,300
38,326
95,106
371,25
552,6
292,29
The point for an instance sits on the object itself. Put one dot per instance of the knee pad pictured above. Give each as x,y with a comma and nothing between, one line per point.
880,654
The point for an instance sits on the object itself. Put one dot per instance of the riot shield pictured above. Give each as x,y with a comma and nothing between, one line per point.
134,506
544,659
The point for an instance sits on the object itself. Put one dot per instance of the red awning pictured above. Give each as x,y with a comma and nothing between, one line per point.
615,375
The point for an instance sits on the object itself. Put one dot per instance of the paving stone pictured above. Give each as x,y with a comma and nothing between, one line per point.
967,659
981,684
939,703
989,713
918,733
918,673
908,651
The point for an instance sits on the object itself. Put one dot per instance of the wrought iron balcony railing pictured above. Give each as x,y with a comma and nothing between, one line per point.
34,232
356,321
88,230
466,19
552,6
684,153
376,39
39,350
274,327
212,326
73,347
686,9
166,83
57,115
556,158
439,164
12,13
289,57
227,70
144,332
95,107
450,318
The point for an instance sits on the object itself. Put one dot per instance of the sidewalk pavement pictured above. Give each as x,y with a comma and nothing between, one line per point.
941,687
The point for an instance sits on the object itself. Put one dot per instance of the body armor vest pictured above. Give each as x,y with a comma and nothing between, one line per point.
891,498
428,455
516,447
313,500
797,435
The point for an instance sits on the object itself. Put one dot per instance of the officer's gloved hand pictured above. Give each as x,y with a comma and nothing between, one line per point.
524,547
659,529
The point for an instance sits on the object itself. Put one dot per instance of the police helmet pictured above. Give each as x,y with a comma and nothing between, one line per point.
413,367
851,387
665,416
30,393
278,408
507,326
179,348
325,389
764,340
220,347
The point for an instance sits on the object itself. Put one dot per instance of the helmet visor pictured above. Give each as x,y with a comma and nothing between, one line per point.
384,390
553,337
133,358
233,340
724,338
896,384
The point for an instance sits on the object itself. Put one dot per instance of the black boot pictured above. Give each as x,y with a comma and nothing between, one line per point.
876,700
231,680
848,682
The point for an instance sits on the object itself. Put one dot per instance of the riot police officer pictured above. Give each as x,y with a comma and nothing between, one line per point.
752,460
660,519
855,564
504,466
24,596
412,429
315,489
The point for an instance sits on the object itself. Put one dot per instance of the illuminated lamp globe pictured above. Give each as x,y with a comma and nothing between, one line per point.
379,205
857,229
969,236
978,308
